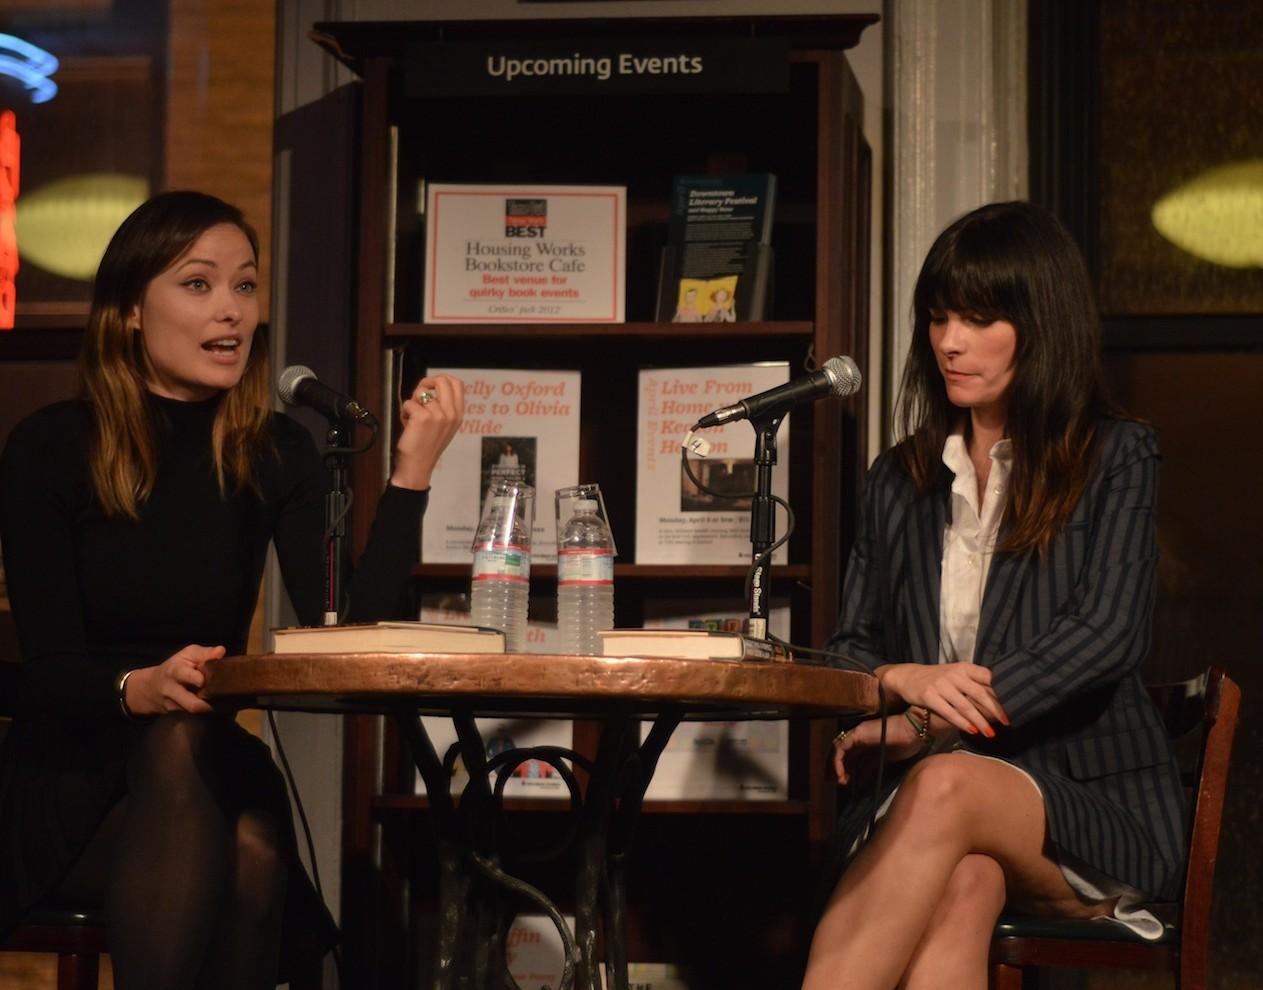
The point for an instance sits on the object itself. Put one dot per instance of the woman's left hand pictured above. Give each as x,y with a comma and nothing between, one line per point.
430,416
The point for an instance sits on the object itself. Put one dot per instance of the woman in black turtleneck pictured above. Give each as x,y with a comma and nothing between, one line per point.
135,523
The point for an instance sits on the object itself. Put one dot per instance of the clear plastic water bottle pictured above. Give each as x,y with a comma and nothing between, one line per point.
585,579
501,581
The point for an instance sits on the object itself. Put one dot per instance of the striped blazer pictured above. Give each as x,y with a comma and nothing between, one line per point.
1063,634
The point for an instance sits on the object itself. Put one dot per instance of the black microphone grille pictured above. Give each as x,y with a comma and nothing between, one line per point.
288,381
844,375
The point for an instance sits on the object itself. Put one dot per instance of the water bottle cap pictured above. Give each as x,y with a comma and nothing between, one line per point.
585,505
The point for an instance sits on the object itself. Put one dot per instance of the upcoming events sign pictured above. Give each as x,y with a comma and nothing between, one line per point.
525,254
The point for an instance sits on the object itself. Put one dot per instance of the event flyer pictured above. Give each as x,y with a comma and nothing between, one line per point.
513,418
525,254
718,761
677,523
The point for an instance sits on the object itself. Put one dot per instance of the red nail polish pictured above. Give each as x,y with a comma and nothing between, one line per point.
988,732
973,730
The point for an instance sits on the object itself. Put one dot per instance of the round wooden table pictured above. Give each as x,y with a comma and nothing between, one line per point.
545,684
619,692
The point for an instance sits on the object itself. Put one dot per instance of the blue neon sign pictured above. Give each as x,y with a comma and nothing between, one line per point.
30,66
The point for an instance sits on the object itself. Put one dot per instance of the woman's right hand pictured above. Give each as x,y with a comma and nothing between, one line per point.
172,686
902,743
959,693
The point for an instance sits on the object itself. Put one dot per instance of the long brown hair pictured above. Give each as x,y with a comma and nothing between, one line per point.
1013,262
112,364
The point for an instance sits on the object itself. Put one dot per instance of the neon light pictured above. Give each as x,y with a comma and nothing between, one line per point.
29,65
10,162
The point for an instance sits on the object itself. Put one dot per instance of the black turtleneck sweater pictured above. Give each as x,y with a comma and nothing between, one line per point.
94,595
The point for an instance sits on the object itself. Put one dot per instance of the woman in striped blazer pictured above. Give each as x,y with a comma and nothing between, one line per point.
1001,588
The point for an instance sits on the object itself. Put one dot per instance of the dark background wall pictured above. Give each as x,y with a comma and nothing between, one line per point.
1131,100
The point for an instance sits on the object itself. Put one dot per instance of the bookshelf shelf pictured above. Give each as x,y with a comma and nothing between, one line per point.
401,332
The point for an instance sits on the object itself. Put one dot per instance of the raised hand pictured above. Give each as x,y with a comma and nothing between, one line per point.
431,416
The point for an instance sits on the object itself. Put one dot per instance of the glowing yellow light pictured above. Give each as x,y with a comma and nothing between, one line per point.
1218,216
64,226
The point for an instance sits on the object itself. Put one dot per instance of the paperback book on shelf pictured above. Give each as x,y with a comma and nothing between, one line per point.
676,522
525,253
715,761
717,265
514,418
389,637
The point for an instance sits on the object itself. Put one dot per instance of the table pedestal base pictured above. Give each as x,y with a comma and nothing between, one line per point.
478,898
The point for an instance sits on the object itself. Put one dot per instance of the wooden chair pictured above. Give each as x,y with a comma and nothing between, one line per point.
1210,703
76,936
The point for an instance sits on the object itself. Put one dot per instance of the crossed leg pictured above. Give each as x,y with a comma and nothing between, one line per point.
963,837
191,864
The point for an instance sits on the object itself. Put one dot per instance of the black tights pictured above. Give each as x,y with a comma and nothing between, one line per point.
191,864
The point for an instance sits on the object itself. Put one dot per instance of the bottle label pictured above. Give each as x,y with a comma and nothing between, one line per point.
585,567
502,564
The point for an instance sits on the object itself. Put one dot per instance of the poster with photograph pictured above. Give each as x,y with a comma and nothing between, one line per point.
720,761
676,521
514,420
525,254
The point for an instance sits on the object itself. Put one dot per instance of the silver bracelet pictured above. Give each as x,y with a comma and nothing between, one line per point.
120,686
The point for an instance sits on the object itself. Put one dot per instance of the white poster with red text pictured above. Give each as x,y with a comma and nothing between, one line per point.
513,419
678,522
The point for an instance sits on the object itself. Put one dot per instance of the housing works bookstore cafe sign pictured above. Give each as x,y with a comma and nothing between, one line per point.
641,65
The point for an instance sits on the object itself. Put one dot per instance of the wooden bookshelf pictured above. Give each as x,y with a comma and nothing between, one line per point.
810,135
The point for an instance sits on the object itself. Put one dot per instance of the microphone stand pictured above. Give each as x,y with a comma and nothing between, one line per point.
337,459
762,521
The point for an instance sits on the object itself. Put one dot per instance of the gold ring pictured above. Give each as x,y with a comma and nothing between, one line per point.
425,397
840,736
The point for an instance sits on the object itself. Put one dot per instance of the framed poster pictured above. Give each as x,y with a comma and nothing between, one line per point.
525,254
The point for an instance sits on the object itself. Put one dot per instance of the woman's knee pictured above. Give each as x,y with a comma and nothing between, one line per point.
938,790
174,748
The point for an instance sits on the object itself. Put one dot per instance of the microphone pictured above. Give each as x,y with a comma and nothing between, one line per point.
838,376
299,386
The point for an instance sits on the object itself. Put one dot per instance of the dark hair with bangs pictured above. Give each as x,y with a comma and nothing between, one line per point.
1013,262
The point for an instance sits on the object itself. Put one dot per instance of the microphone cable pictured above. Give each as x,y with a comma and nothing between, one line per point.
691,442
302,817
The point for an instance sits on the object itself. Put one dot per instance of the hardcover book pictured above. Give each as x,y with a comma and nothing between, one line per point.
676,521
688,644
388,637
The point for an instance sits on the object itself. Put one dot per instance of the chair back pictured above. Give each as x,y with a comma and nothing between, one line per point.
1210,703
